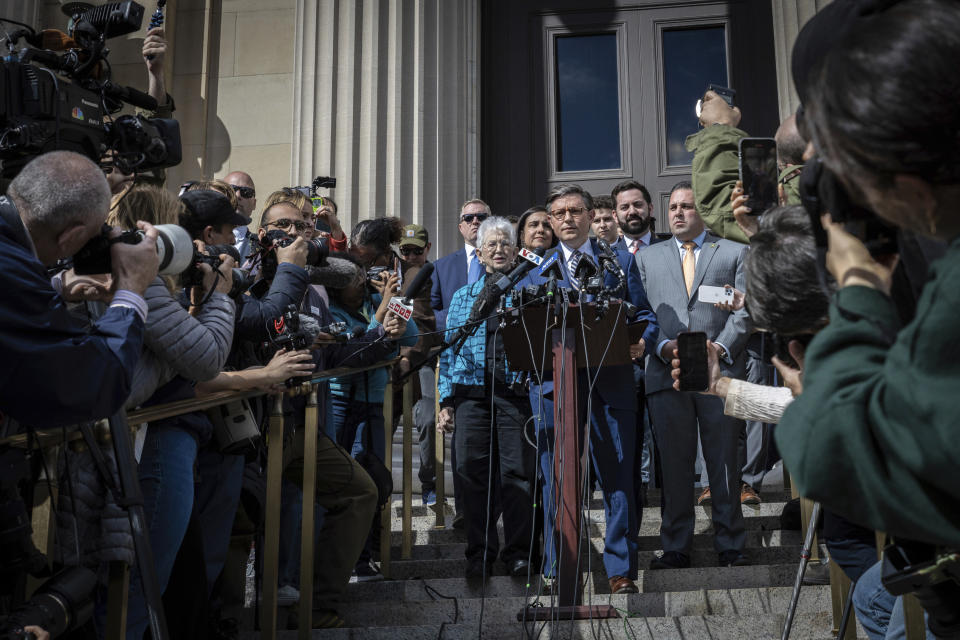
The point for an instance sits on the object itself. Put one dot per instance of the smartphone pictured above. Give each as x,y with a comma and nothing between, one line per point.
758,172
692,351
726,93
706,293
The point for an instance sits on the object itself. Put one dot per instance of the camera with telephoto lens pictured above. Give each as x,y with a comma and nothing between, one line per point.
318,249
174,248
70,111
62,604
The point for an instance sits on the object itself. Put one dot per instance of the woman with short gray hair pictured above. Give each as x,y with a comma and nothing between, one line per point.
486,400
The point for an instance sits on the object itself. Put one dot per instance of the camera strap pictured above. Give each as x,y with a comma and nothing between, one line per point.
100,461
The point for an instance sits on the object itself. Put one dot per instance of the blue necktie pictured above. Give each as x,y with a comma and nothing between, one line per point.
476,270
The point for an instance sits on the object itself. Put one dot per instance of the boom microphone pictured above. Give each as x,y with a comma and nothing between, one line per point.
415,288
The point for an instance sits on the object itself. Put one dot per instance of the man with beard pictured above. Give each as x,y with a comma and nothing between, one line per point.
634,213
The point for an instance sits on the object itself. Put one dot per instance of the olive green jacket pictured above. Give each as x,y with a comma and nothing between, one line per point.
716,169
875,435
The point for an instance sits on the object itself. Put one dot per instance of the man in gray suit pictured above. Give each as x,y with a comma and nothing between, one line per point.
672,273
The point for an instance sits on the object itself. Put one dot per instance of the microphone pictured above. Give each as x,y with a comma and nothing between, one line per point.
610,263
415,288
586,268
493,291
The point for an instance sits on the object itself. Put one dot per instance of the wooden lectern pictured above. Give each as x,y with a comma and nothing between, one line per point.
578,339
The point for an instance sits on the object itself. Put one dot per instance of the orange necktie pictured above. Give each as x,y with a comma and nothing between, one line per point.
689,264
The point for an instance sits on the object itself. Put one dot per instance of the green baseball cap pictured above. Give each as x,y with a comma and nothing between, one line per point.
414,234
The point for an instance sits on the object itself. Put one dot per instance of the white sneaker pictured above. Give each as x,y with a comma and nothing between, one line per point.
288,595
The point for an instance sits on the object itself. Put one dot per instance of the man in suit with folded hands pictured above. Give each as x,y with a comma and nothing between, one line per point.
672,273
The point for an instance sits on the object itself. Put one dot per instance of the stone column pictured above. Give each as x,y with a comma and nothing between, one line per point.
789,16
386,99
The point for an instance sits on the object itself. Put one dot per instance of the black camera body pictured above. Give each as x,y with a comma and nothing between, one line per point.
174,249
41,111
318,249
286,332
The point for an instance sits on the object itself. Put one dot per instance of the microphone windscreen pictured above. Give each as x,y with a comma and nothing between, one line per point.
310,325
336,274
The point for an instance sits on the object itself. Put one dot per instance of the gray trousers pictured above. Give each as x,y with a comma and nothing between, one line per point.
676,416
424,417
755,439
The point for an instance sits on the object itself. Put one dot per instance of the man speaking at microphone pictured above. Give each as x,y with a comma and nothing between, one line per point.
614,404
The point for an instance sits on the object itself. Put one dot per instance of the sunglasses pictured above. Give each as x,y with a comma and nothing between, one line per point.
244,192
406,251
284,223
470,217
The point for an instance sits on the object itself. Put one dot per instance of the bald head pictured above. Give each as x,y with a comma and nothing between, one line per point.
790,145
246,204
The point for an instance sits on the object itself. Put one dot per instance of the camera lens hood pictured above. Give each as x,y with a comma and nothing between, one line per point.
174,248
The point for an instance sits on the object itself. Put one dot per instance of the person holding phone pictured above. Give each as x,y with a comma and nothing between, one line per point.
672,273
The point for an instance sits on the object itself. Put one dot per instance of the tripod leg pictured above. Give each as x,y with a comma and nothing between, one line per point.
847,608
804,558
132,497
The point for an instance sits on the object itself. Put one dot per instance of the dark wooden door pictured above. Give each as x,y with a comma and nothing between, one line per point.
596,93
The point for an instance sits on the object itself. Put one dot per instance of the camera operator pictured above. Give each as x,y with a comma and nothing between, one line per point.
56,204
179,348
878,415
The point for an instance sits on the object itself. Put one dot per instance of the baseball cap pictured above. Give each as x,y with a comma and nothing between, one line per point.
415,235
212,208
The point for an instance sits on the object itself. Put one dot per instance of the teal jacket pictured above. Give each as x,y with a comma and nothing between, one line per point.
355,386
875,435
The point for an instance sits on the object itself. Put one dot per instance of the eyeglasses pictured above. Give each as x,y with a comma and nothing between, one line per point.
470,217
493,245
560,214
406,251
244,192
284,223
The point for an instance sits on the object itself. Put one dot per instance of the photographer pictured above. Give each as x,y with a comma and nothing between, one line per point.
179,348
878,415
56,204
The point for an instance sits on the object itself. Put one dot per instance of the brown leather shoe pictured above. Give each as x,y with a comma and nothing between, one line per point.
705,498
619,584
748,495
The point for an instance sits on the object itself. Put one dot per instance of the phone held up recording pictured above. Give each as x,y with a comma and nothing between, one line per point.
692,352
758,172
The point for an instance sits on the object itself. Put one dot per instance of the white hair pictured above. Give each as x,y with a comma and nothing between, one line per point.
496,224
60,188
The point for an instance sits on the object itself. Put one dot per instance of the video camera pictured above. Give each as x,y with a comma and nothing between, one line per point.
320,182
66,103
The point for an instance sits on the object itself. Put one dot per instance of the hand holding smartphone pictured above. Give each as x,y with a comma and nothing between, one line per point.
758,173
692,353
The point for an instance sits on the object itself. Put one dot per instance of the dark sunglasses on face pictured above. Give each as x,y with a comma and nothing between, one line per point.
470,217
244,192
284,223
417,251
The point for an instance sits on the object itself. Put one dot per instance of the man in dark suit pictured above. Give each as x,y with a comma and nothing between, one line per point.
634,211
451,272
613,406
672,273
461,267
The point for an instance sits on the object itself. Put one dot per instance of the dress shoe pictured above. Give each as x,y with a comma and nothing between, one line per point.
458,521
748,495
732,558
518,568
705,498
670,560
619,584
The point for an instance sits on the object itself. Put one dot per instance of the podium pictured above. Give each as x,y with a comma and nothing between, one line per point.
577,338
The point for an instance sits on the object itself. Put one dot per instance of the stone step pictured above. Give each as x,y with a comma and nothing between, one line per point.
758,601
693,579
760,517
807,626
425,550
455,567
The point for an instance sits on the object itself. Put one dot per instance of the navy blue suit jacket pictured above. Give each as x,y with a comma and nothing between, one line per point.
449,274
614,383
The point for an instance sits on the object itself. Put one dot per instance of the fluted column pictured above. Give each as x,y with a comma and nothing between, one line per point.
789,16
386,100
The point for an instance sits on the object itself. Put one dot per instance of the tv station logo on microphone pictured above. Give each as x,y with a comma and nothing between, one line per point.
530,256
